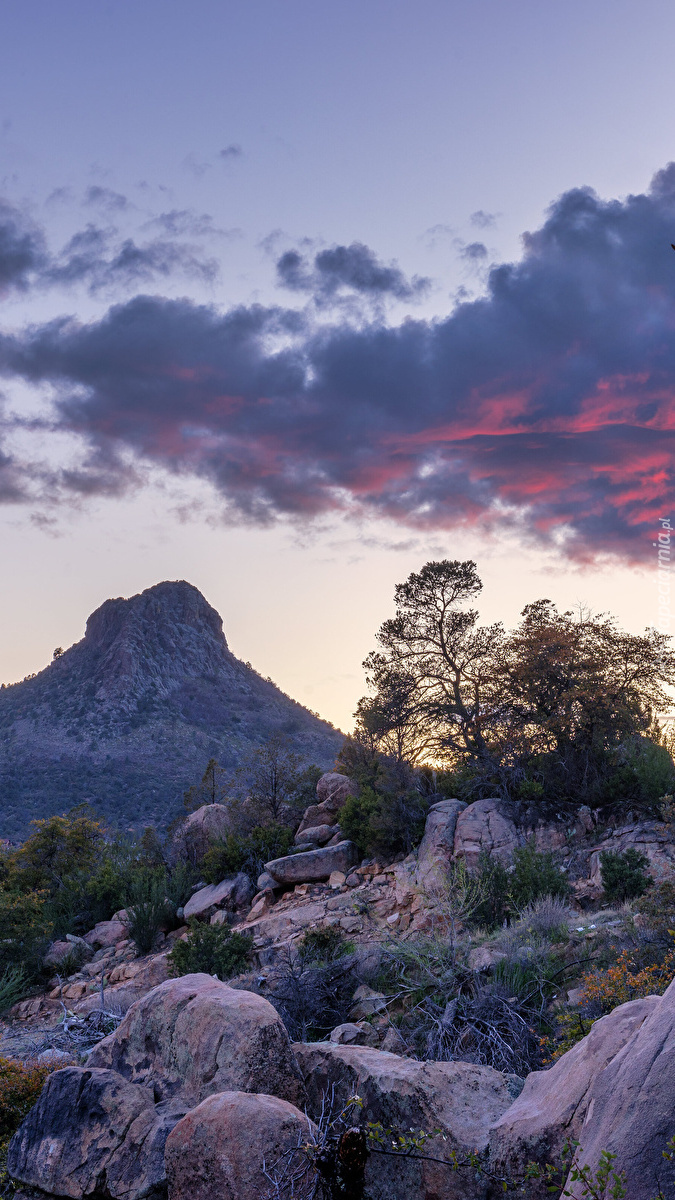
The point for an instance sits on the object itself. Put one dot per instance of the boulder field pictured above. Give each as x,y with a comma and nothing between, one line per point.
199,1090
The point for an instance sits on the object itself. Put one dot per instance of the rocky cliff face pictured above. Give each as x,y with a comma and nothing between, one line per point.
128,717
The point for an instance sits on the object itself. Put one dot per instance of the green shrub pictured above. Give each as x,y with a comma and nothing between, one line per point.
249,853
26,931
13,987
149,909
493,909
384,822
323,945
213,949
534,875
623,875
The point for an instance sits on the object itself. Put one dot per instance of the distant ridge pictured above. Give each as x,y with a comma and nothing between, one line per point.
128,717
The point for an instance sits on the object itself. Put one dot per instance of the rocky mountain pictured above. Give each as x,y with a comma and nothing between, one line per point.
128,717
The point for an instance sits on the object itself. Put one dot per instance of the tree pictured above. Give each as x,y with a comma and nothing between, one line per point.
58,849
271,776
561,707
210,790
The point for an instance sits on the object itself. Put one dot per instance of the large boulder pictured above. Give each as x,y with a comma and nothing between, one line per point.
319,834
218,1149
203,827
553,1104
484,827
106,934
460,1099
194,1036
333,791
631,1104
313,864
438,844
230,894
93,1132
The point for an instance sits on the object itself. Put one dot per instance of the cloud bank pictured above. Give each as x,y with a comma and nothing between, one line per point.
548,404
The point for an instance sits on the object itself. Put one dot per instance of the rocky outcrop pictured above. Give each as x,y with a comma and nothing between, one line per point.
193,1036
483,827
333,791
217,1151
230,894
631,1103
458,1098
106,934
438,844
206,825
92,1131
313,864
553,1104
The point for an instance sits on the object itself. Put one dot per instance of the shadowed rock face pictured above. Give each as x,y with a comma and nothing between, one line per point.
128,717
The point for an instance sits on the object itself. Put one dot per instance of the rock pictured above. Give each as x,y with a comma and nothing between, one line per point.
353,880
106,934
56,954
93,1132
318,834
460,1099
266,881
482,958
262,903
483,827
217,1151
314,864
54,1058
553,1104
333,791
630,1102
352,1033
208,824
195,1035
367,1003
437,845
230,893
392,1041
337,879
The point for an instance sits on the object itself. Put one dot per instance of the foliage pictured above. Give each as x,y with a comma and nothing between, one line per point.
13,987
493,909
247,853
148,910
384,823
534,875
547,917
558,708
571,1028
20,1087
657,910
272,778
213,949
623,875
59,848
623,981
312,995
26,930
210,790
323,945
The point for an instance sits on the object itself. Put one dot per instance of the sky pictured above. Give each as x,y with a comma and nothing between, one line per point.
295,297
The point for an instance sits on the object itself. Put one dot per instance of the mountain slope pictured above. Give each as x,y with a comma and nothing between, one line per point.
128,717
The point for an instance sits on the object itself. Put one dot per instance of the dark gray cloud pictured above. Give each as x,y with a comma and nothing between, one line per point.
352,268
234,150
107,199
22,249
547,405
474,252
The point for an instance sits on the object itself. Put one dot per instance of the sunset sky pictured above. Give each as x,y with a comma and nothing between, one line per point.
296,296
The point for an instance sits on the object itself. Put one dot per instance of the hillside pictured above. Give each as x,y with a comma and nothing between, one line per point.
128,717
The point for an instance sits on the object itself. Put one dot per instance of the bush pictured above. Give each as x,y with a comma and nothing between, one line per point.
149,909
623,875
547,918
534,875
657,907
246,853
13,987
26,931
604,990
323,945
20,1088
384,823
312,996
213,949
494,881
